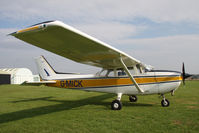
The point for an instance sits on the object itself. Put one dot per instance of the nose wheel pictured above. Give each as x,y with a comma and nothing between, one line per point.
117,104
164,102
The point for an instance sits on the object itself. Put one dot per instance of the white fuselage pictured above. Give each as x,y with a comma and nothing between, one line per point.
151,82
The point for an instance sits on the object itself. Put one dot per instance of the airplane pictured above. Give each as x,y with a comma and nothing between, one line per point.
121,74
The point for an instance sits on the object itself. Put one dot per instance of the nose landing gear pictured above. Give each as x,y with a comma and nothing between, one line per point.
164,102
117,104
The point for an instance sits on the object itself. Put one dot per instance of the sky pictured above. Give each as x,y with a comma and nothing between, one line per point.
160,33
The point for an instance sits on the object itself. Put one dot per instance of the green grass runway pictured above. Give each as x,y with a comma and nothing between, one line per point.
40,109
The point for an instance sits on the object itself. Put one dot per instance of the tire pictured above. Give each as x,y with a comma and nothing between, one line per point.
133,98
165,103
116,105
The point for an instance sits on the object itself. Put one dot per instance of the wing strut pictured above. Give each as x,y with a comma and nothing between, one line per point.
130,76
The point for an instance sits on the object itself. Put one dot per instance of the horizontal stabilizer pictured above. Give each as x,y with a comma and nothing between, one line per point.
39,82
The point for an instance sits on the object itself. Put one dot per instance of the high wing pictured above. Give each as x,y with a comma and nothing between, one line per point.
68,42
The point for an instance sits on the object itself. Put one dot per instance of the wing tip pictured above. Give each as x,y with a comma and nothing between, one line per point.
43,22
12,34
33,27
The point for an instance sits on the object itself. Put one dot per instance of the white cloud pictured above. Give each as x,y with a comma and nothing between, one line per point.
110,32
108,20
4,37
155,10
166,52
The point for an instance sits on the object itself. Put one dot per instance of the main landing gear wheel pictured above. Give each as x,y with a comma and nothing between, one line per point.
116,105
165,103
133,98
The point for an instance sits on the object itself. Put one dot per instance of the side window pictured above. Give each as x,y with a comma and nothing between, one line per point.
102,73
132,71
121,73
106,73
111,73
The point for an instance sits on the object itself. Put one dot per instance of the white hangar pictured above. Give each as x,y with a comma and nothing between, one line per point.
17,76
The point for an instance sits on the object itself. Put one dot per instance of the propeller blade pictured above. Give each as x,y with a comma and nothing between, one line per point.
183,73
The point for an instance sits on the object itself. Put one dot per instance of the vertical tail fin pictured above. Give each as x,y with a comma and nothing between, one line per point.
44,68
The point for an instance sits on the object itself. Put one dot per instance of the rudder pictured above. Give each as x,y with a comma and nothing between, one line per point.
44,68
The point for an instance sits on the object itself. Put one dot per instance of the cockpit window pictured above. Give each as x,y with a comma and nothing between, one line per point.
111,73
120,72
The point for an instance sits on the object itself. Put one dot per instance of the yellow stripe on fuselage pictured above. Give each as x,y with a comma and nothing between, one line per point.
105,82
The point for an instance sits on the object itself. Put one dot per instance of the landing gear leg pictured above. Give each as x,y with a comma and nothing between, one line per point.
172,93
117,104
164,102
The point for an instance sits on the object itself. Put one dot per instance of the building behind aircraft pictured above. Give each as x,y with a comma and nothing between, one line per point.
17,76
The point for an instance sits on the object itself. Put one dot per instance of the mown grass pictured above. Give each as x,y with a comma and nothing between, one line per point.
33,109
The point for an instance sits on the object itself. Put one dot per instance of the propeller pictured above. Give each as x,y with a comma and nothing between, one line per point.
183,74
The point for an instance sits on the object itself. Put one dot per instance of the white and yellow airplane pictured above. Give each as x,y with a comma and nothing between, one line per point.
121,74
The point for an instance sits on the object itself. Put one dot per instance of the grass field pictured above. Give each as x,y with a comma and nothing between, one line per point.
33,109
